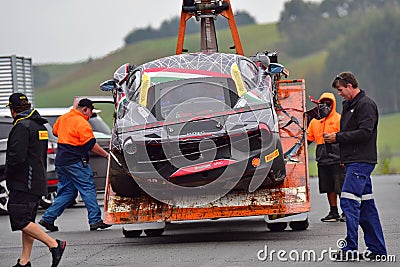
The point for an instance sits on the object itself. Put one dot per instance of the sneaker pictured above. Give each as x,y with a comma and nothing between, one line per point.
346,255
99,225
342,218
57,252
331,217
49,226
28,264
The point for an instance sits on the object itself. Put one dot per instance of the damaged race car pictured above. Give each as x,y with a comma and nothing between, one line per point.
196,120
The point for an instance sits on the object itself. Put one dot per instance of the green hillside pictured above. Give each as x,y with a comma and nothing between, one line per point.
84,78
68,80
388,147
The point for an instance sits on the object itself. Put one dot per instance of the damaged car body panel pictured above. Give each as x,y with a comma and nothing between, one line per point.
185,118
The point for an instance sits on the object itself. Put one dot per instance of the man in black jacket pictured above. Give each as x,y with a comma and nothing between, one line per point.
26,177
357,142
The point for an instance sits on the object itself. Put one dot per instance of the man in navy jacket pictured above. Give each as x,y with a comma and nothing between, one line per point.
26,177
357,142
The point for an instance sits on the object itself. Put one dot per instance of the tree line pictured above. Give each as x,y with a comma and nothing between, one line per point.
169,28
360,36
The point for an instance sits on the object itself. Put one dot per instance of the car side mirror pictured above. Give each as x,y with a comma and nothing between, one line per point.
276,68
261,58
108,86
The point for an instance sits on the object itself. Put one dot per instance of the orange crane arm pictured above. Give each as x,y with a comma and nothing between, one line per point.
204,8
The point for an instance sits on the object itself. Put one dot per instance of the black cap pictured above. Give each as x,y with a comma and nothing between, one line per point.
84,102
17,100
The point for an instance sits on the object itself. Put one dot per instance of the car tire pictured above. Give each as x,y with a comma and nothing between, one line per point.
125,186
299,225
131,233
3,197
47,200
277,173
277,227
154,232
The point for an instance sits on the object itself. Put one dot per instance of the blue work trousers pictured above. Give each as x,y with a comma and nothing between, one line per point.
71,179
358,205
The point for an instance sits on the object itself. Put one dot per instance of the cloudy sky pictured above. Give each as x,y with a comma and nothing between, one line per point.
73,30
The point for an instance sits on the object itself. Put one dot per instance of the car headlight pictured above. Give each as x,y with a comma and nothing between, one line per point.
130,147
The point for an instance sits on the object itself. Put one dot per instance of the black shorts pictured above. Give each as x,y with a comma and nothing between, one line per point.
331,178
22,209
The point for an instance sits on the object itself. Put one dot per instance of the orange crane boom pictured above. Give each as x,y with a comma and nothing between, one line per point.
206,11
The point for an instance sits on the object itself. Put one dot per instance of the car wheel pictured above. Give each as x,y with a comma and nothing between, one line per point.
131,233
277,227
299,225
125,186
3,197
47,200
277,173
154,232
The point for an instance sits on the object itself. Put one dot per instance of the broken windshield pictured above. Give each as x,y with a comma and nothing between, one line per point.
192,97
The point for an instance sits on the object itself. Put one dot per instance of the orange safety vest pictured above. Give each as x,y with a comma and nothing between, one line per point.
329,124
73,129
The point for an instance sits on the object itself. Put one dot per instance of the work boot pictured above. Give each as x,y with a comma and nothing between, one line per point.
49,226
331,217
99,225
28,264
57,252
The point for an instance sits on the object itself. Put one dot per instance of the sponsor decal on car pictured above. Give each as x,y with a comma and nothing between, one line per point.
237,78
144,90
255,162
272,155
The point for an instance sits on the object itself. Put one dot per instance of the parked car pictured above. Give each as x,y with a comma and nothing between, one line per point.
52,180
101,132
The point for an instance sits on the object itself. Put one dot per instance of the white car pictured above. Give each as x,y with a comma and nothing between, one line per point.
52,180
101,131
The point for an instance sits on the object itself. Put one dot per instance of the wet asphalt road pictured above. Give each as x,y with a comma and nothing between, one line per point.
228,242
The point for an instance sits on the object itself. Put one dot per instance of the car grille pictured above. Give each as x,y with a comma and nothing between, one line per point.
168,157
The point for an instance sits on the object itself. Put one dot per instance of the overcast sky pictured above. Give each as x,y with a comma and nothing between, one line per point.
73,30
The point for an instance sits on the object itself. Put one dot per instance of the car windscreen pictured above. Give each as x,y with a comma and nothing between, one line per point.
192,97
98,125
51,119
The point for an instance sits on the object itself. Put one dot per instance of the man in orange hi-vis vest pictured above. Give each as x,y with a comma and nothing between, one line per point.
75,141
330,172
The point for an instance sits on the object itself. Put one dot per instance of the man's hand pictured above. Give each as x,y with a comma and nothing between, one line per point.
97,149
330,137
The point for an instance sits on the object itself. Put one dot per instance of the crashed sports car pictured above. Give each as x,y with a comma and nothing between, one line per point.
194,120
